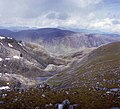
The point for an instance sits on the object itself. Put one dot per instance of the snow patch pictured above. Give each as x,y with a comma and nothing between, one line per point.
16,57
7,58
20,44
10,45
8,83
1,59
9,38
4,88
1,43
2,37
0,74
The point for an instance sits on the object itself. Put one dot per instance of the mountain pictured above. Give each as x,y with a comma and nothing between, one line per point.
16,28
59,41
27,61
45,33
85,67
31,77
98,69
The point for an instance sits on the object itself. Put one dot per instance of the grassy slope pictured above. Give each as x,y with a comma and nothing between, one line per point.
101,68
84,98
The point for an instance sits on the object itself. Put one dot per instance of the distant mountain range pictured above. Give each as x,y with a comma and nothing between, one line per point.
61,41
15,28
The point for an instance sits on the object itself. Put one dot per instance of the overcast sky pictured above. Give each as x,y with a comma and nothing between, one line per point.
88,14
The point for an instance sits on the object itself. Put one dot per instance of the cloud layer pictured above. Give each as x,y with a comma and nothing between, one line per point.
89,14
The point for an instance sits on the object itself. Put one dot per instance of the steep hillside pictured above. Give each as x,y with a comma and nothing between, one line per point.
25,60
99,69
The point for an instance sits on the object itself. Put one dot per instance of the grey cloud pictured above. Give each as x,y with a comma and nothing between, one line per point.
36,8
77,13
63,16
60,16
116,22
51,16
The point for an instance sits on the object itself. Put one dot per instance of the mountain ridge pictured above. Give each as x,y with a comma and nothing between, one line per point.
59,41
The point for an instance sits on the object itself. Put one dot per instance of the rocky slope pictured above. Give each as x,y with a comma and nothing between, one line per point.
25,60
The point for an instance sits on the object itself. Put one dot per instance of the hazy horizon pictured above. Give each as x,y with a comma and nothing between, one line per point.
103,15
